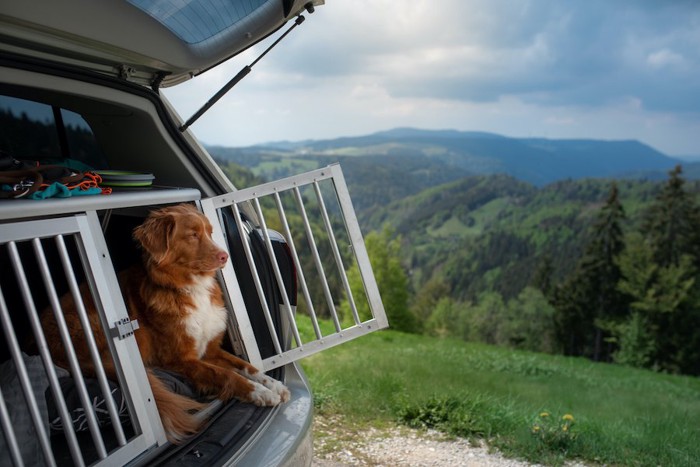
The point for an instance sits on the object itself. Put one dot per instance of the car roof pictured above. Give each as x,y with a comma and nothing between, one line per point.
145,41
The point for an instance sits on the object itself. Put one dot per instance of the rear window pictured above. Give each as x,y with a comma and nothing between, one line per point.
198,20
36,131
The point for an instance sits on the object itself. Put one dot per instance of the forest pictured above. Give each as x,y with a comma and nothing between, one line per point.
630,295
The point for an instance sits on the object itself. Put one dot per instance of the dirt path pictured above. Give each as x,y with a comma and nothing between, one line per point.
338,445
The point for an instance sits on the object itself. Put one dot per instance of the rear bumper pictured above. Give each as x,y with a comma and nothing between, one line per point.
286,439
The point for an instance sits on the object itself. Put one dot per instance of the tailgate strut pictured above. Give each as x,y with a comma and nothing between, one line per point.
241,74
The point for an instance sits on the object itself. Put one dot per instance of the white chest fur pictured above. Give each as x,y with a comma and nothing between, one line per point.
206,320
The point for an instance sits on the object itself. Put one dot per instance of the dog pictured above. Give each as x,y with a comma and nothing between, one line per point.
178,303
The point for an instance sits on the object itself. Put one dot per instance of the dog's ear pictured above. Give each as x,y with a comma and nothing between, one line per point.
154,234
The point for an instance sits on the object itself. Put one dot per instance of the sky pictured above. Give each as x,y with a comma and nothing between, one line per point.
603,69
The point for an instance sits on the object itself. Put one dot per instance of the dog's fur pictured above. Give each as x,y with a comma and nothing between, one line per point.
178,304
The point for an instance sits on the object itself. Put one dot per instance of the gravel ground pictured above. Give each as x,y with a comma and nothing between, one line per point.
336,445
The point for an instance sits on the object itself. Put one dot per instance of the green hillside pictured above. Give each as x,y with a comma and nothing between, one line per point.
515,400
476,233
491,232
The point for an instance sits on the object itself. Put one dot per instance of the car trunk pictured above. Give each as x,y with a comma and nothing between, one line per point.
319,240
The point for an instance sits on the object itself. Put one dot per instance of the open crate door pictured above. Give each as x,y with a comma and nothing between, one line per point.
335,281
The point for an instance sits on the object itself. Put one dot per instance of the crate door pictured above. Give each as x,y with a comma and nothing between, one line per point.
114,435
338,299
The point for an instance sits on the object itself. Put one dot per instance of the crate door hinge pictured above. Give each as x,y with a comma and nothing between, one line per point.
124,328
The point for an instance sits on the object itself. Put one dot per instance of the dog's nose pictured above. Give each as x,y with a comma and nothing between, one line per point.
222,256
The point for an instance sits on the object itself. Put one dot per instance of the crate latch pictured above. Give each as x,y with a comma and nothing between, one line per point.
124,328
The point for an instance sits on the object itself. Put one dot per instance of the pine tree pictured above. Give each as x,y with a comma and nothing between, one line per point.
589,300
672,223
662,302
572,322
600,262
672,233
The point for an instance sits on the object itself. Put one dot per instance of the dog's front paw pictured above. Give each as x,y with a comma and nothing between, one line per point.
272,384
263,396
279,388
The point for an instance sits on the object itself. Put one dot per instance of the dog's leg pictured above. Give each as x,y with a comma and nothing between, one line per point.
270,383
213,379
220,357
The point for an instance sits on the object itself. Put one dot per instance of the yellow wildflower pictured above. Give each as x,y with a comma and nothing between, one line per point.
568,417
565,428
544,414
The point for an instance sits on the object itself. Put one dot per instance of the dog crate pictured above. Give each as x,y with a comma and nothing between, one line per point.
47,248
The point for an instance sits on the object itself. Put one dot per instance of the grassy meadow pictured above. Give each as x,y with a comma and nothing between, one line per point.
536,407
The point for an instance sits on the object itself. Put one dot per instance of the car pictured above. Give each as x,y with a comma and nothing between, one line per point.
88,147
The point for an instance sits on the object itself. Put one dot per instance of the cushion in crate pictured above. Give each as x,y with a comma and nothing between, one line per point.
13,398
174,381
75,406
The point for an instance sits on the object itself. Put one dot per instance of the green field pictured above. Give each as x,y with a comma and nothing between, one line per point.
515,400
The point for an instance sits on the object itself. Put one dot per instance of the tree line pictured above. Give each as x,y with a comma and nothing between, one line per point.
634,297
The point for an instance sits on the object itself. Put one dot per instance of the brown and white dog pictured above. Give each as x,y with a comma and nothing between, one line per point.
180,311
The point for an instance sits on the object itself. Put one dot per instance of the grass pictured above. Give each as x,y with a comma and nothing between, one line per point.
621,416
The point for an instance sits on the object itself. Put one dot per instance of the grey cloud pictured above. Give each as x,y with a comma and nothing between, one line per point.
565,53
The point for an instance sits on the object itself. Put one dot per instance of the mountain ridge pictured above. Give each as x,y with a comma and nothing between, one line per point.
535,160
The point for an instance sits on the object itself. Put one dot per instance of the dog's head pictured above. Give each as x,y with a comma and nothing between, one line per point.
180,236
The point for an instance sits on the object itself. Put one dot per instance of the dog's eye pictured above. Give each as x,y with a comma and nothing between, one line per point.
194,235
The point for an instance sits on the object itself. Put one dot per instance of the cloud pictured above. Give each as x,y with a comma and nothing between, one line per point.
582,52
665,58
542,66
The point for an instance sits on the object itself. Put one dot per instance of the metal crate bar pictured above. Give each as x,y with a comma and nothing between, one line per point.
5,421
27,246
317,263
336,251
256,280
65,337
44,352
23,376
278,275
299,270
358,244
332,178
130,371
90,338
27,391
